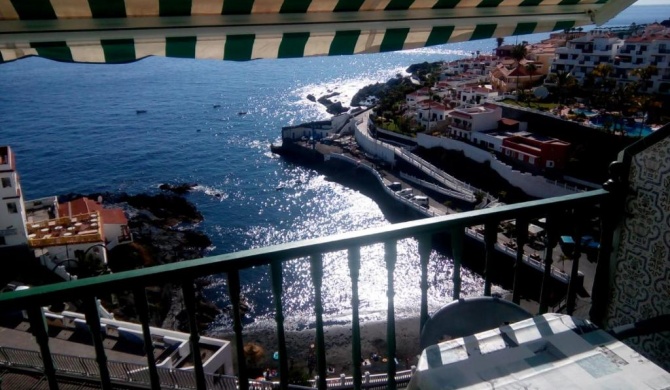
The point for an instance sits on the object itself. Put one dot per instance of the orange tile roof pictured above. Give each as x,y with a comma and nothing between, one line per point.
78,206
509,122
113,217
460,114
86,206
432,104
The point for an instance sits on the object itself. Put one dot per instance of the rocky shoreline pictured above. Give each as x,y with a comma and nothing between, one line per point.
393,87
164,228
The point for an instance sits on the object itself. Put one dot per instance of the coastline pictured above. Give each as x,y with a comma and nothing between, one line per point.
338,341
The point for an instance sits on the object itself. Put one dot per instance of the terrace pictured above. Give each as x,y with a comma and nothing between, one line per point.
82,228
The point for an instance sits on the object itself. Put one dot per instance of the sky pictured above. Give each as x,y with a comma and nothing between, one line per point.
652,2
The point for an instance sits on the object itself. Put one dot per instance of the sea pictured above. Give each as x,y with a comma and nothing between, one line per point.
74,129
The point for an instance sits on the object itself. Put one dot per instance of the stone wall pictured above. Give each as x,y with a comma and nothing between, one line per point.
533,185
377,148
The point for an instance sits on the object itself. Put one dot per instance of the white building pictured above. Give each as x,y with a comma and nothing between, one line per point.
56,233
216,354
317,130
414,98
475,66
472,95
463,122
651,47
430,112
114,223
12,213
583,54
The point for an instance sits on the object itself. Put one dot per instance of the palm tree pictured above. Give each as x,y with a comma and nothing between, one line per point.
644,75
602,83
603,71
564,80
518,53
532,70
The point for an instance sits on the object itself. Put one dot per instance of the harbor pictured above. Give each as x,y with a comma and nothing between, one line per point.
402,190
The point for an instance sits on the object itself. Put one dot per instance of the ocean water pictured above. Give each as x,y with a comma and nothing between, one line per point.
74,128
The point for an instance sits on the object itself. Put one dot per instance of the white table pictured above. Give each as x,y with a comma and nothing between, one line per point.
552,351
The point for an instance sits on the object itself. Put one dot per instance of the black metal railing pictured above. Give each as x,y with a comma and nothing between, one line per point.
559,212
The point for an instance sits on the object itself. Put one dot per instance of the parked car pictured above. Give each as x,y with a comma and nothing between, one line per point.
421,200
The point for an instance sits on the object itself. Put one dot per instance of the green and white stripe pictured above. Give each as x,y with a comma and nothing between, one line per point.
117,31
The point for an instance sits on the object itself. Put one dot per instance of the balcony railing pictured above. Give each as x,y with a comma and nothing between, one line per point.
557,211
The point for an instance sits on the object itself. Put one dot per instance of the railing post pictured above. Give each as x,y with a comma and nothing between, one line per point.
234,292
573,284
85,368
316,261
521,238
5,358
38,326
424,255
194,340
143,311
490,239
354,268
277,283
457,237
550,241
93,322
390,252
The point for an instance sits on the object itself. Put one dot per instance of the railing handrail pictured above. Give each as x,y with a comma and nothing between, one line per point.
44,295
22,359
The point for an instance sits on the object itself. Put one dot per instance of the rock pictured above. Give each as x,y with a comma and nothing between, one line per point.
156,241
170,208
180,189
311,98
336,108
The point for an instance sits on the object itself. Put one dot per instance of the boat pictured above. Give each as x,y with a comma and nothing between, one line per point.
242,113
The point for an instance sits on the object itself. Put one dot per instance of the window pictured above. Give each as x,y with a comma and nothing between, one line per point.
11,208
6,182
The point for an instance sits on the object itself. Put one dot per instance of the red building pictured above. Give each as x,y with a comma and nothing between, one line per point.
537,150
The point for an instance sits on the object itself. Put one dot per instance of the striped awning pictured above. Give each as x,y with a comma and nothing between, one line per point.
117,31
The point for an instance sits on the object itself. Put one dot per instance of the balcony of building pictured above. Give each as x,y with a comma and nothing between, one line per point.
78,229
610,285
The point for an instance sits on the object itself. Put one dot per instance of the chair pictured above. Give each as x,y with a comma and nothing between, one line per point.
468,316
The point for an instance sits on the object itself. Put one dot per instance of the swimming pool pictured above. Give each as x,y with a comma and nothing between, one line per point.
586,112
633,128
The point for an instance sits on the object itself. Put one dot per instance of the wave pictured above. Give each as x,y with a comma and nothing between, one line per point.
345,88
212,191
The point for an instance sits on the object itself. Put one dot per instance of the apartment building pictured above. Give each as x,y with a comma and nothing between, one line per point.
651,47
